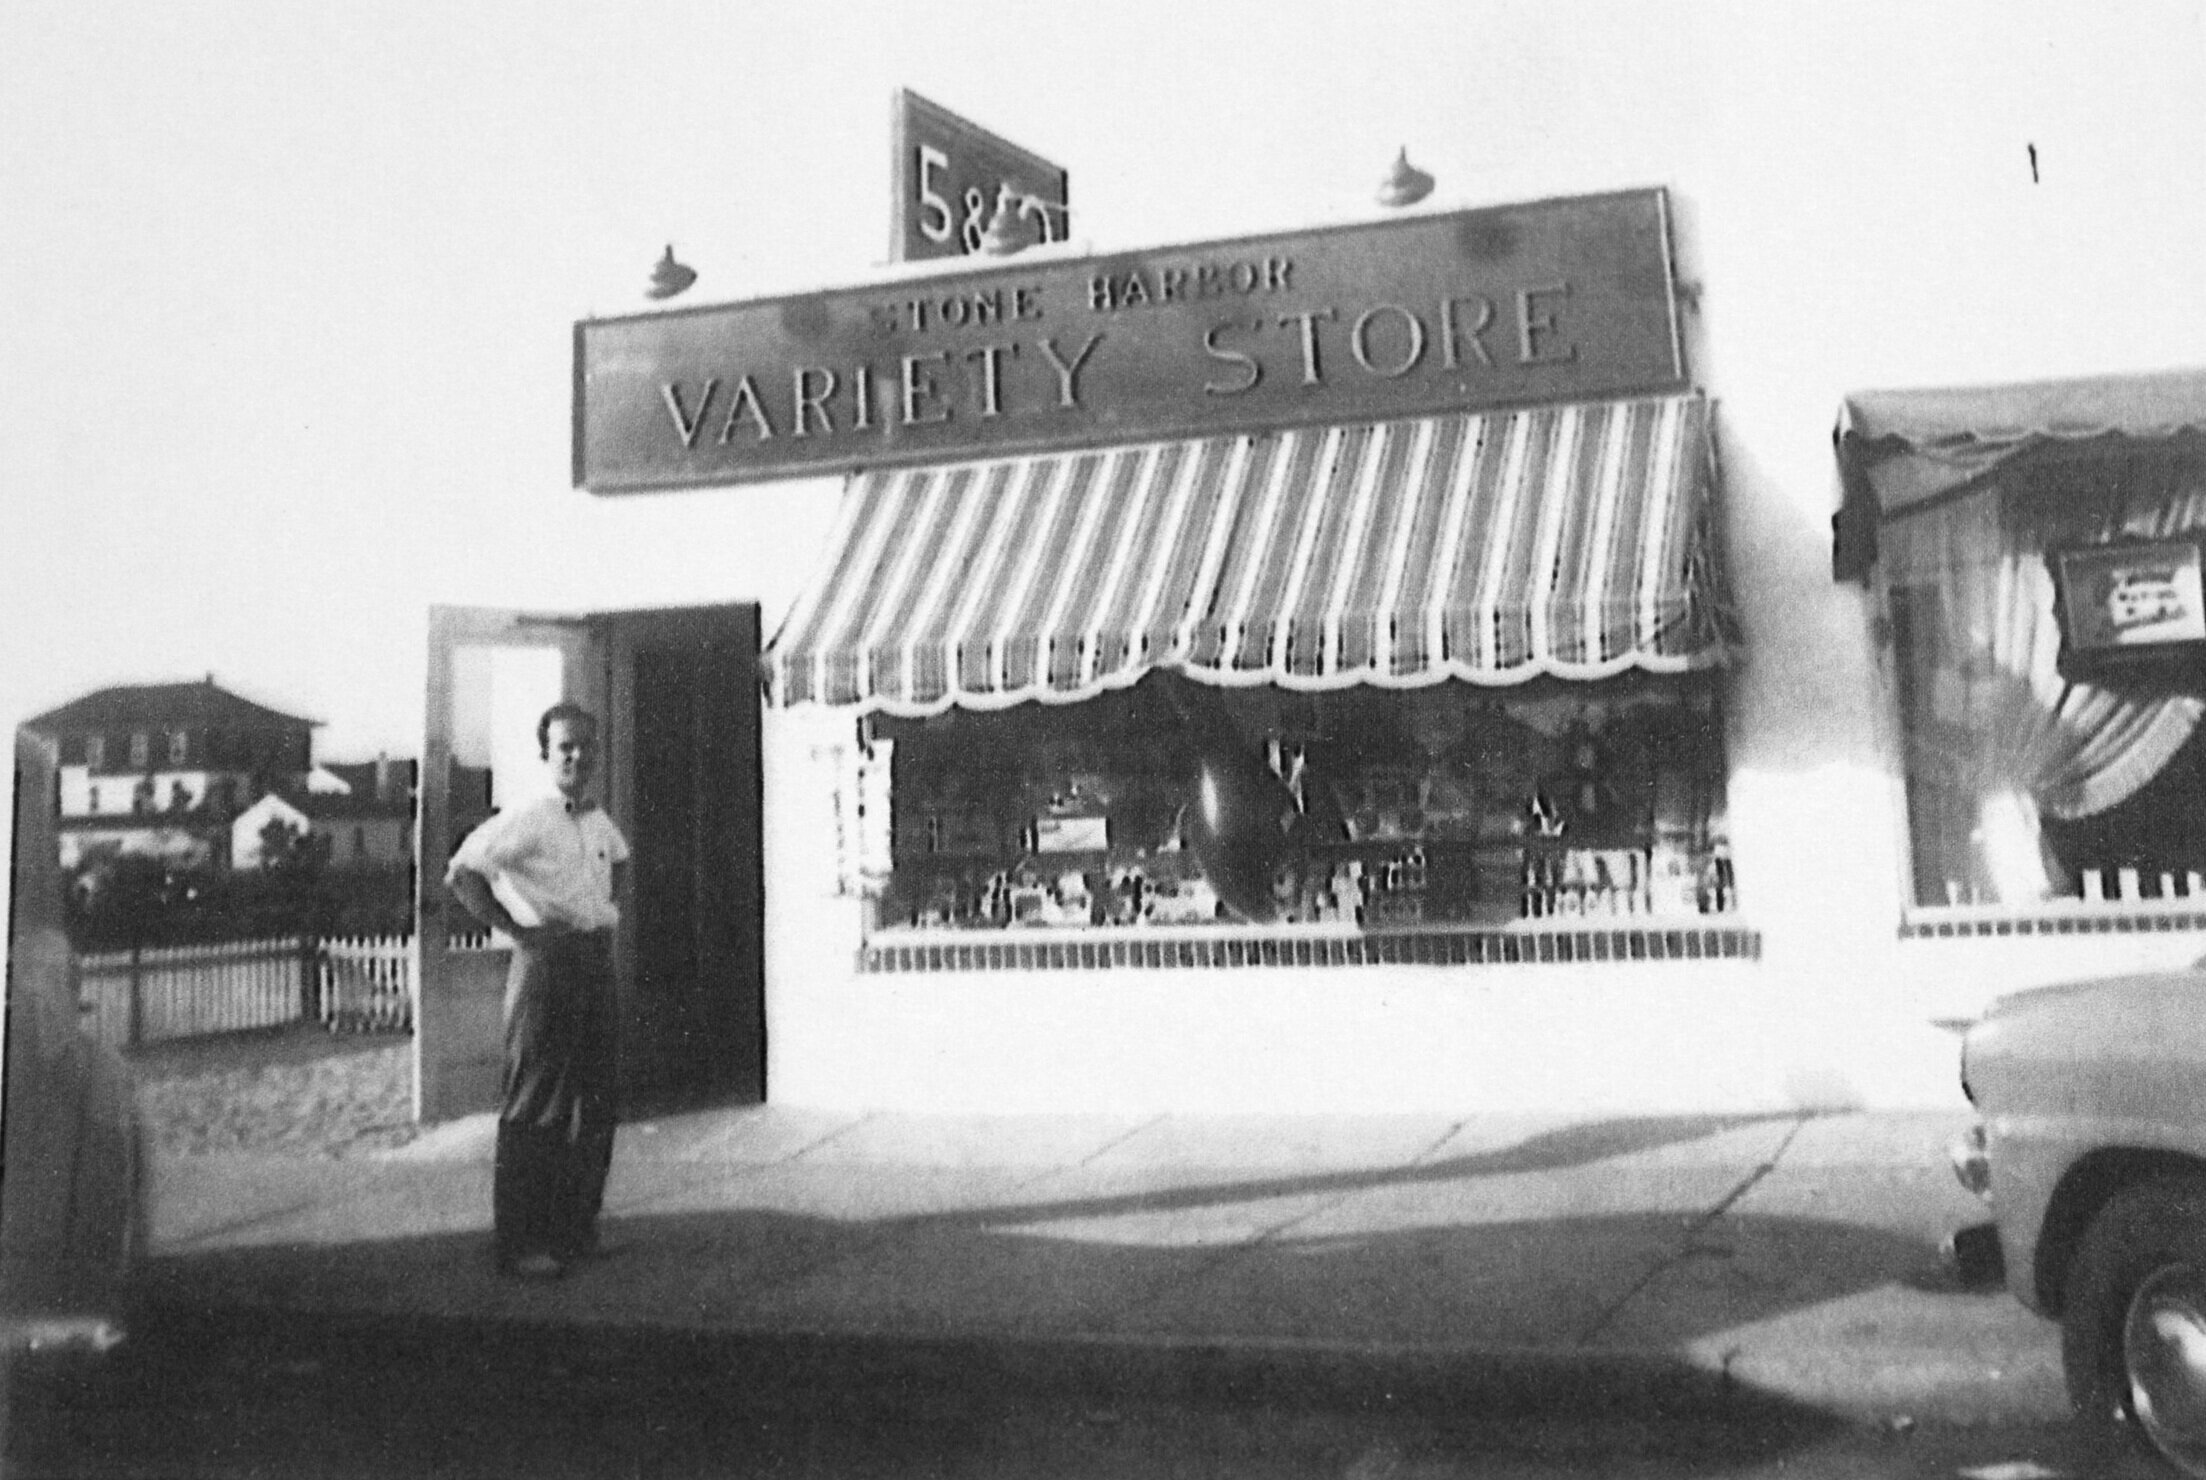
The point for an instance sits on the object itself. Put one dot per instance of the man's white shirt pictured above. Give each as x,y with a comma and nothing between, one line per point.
549,861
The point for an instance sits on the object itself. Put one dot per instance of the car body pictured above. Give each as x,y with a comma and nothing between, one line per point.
2091,1150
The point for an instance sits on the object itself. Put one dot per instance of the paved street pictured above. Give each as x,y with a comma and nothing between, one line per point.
244,1395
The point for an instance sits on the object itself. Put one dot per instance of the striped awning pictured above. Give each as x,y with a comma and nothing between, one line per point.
1901,453
1571,541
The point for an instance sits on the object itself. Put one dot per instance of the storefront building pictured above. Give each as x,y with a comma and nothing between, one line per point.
1362,669
1277,673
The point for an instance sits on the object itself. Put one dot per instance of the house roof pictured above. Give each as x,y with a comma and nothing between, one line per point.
152,706
332,807
268,804
361,800
363,803
360,775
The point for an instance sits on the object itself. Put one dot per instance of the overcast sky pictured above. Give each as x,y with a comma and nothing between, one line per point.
287,290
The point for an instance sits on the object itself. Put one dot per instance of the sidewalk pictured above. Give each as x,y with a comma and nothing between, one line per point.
1796,1256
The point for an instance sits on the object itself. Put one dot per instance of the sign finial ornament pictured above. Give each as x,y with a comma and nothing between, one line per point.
669,277
1405,184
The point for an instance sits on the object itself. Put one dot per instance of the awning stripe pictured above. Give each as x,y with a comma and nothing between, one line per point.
1499,605
877,521
1126,494
1325,608
1438,443
1598,554
1126,633
1073,640
1284,584
1563,540
1651,466
1034,516
1077,567
1196,575
1668,522
906,583
1217,640
992,527
922,669
1018,643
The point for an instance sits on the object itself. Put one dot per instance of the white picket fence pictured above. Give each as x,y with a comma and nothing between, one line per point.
163,992
348,985
367,984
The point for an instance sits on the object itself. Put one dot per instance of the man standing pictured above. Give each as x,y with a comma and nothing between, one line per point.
545,874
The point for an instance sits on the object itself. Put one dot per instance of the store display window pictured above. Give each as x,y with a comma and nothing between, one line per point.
1176,805
2051,742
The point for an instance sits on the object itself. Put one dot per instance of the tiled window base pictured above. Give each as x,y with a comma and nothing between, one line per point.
2129,921
1402,947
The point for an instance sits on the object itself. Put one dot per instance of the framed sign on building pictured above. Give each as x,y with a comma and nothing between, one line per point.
1542,302
2128,601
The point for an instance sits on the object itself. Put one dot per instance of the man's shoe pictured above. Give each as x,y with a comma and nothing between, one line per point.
534,1267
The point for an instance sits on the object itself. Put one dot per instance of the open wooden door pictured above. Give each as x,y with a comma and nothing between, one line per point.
491,673
680,772
685,711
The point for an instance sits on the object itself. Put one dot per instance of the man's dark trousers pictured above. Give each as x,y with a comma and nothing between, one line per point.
555,1130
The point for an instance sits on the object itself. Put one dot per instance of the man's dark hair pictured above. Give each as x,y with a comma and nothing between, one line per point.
565,709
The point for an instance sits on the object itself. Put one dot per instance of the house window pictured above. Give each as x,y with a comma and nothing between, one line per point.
179,747
359,842
2026,786
141,795
95,799
140,750
95,751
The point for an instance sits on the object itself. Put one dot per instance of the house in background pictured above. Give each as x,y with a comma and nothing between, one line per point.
359,815
162,769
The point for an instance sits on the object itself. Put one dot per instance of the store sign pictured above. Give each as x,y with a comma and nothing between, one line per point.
1556,300
951,175
2128,602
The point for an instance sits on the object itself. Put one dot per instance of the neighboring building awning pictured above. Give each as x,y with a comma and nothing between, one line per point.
1572,541
1898,450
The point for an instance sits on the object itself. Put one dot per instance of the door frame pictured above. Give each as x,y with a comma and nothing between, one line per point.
458,1040
454,998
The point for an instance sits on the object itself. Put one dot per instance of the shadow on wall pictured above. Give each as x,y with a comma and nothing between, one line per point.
1806,690
1804,683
